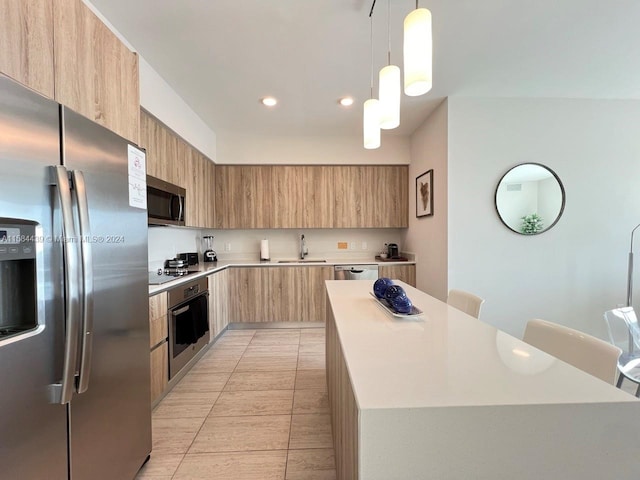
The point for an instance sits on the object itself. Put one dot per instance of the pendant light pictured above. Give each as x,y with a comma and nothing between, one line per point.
417,52
389,86
371,110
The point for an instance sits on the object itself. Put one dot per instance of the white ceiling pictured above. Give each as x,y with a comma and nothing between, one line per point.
221,56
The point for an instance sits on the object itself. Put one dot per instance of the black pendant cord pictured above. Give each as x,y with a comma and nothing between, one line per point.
374,4
371,43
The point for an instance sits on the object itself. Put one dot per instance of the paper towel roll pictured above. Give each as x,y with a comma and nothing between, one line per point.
264,250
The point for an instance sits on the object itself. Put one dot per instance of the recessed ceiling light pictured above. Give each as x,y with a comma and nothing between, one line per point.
346,101
269,101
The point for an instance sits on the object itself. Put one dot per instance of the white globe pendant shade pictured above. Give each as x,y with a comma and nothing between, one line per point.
389,94
371,123
417,52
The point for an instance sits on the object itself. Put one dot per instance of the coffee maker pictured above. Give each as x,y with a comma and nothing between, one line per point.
393,250
209,254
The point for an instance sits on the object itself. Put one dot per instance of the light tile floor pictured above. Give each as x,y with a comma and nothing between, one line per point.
254,407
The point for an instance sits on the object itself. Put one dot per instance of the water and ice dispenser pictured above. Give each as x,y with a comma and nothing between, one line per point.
18,277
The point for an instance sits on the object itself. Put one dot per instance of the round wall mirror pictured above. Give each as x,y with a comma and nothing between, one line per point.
530,198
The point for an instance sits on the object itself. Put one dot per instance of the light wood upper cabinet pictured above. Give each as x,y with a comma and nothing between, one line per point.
244,196
278,294
385,198
302,196
26,39
173,160
349,185
210,193
95,73
311,196
404,273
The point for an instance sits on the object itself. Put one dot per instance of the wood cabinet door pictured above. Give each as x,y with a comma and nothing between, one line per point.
218,302
278,294
159,370
26,37
384,193
249,295
95,73
244,197
312,305
319,194
210,194
404,273
348,184
152,139
158,323
289,192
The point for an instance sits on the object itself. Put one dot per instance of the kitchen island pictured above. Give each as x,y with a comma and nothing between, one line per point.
447,396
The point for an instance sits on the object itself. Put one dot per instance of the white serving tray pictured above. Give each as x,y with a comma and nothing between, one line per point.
415,311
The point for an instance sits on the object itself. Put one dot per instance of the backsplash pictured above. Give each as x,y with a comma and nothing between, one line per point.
167,242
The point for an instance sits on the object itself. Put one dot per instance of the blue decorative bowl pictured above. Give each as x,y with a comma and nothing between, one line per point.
402,304
392,292
380,286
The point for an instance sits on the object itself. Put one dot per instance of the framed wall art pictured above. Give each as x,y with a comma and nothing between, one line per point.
424,194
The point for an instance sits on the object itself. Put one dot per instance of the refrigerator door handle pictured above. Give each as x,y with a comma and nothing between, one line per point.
86,337
72,297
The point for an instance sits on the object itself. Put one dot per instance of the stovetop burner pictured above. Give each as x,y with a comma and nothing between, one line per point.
164,275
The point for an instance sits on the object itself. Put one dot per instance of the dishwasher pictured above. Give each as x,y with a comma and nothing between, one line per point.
355,272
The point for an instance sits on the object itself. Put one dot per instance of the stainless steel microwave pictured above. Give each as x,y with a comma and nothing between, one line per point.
165,202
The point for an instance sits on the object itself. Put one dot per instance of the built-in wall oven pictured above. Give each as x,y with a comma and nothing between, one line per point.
188,323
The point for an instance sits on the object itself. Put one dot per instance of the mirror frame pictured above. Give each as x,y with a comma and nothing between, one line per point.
562,191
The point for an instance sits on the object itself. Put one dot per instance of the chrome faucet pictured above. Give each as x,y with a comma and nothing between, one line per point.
304,251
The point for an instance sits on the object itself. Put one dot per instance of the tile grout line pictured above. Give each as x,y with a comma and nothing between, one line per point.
205,418
292,404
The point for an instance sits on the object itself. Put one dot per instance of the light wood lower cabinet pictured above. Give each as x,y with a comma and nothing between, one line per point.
278,294
404,273
158,326
158,329
159,370
218,302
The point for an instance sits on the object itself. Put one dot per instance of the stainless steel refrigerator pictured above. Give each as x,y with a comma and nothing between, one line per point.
74,335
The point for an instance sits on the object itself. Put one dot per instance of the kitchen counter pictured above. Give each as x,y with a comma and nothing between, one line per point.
205,269
450,397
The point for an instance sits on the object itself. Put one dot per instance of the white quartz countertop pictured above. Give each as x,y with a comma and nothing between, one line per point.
447,358
205,269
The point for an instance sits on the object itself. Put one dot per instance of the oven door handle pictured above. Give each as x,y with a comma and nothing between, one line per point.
180,311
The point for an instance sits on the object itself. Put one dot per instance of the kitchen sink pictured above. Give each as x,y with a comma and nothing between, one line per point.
302,261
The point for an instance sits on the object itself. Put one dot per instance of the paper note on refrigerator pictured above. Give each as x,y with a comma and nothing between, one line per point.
137,178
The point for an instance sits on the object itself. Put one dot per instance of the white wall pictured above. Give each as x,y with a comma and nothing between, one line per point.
574,272
427,236
166,242
158,98
246,148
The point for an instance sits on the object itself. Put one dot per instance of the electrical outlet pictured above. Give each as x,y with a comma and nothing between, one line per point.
364,245
227,247
353,245
342,245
